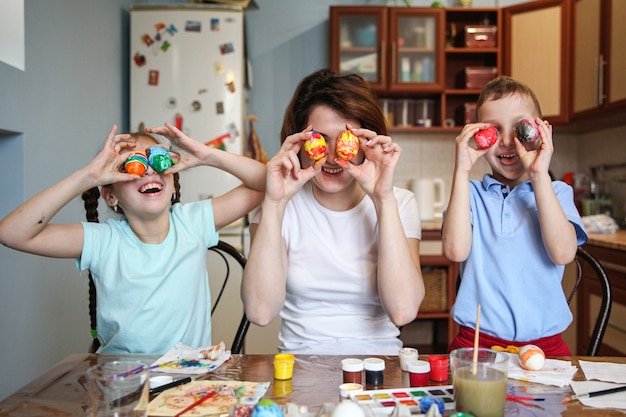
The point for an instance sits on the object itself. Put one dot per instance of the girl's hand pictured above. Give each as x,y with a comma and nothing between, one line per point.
376,173
108,166
537,160
466,155
285,175
192,153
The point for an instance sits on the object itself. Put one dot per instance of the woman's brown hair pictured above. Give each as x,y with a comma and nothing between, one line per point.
349,95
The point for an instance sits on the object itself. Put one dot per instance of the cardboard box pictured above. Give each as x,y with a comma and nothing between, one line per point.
469,112
480,36
477,77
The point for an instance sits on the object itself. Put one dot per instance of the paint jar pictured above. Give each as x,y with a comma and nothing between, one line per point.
438,368
346,389
352,370
283,366
407,355
374,371
419,372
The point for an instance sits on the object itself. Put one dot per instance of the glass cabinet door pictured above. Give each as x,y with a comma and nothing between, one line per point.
415,49
358,46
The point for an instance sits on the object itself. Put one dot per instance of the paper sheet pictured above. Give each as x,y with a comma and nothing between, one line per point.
174,400
183,359
604,371
555,372
616,400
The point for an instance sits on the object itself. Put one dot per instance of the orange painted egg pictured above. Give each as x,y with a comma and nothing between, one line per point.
347,146
315,147
137,163
531,357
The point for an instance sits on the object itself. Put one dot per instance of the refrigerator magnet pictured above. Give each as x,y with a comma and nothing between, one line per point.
227,48
165,46
231,86
146,39
159,26
193,26
139,59
153,77
219,107
171,29
215,24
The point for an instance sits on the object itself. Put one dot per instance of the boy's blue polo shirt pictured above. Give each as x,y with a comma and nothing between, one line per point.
508,270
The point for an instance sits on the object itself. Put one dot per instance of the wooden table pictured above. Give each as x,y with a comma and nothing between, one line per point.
61,391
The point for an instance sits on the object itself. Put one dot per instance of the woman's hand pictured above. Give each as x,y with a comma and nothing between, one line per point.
285,175
376,173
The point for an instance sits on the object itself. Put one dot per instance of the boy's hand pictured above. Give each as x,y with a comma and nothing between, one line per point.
466,155
536,155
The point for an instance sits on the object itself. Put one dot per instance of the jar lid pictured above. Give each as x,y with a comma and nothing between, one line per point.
346,389
374,364
419,367
438,361
352,365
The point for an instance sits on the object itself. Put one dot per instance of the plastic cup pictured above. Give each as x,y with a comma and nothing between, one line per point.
119,388
283,366
479,390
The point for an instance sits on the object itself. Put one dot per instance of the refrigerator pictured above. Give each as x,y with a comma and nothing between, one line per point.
187,68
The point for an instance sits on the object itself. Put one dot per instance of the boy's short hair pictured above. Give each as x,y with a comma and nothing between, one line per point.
503,86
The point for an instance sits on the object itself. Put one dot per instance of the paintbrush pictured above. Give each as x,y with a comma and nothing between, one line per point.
595,394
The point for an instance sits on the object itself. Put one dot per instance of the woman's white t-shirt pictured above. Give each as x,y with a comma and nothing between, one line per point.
332,304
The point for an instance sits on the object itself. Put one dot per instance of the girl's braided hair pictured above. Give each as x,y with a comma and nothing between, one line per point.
90,199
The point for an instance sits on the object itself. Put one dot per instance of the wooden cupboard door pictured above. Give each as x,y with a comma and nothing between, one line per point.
587,56
536,52
617,52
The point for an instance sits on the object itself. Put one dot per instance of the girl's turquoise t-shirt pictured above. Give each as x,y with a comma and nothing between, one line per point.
151,297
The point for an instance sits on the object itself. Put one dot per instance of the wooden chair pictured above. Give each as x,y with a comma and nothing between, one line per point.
588,266
224,251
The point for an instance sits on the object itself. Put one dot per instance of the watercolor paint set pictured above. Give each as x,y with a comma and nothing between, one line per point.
417,399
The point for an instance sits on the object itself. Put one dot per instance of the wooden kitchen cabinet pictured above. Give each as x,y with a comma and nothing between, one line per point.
570,52
415,58
589,298
440,277
599,56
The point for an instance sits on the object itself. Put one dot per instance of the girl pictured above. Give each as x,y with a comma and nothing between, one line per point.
148,267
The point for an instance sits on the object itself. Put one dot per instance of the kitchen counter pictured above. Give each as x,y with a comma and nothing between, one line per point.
615,240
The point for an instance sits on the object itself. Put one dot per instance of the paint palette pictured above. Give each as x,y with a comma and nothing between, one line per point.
384,401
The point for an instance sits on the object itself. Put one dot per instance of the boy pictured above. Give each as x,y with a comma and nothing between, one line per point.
513,232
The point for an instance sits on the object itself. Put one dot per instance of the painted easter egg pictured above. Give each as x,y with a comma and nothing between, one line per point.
347,145
266,408
527,131
137,163
531,357
485,138
159,158
315,147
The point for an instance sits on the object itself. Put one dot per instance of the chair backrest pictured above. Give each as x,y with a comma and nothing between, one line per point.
588,266
224,251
